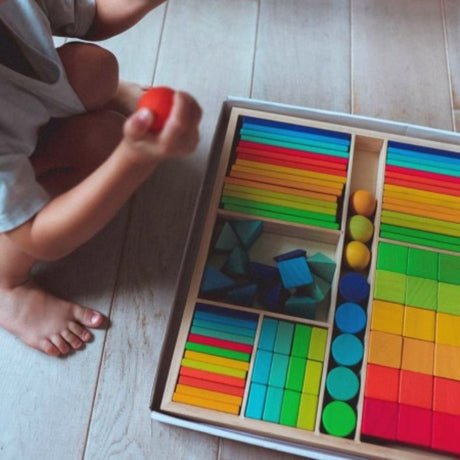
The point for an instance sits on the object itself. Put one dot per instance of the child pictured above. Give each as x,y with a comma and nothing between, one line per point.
71,152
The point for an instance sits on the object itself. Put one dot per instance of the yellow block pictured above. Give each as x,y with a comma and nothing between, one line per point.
206,403
411,200
227,362
437,213
409,204
417,356
447,361
419,323
387,317
433,197
385,349
448,329
312,379
307,412
207,394
208,367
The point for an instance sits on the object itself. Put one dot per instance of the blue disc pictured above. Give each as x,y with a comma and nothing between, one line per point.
350,317
347,350
354,287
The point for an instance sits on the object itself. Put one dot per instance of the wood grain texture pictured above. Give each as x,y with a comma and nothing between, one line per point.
303,53
399,62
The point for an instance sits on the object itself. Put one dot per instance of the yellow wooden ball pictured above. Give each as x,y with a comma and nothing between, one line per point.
363,202
357,255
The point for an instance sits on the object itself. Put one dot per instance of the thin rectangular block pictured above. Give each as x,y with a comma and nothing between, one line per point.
233,363
392,257
380,419
387,317
212,377
390,286
416,389
290,408
422,263
312,379
268,334
207,394
222,335
446,432
210,325
283,340
449,268
307,412
448,329
221,343
317,344
213,368
273,402
419,323
301,340
447,361
210,385
262,365
417,356
206,403
385,349
414,425
446,396
296,373
382,383
256,401
224,319
421,292
278,371
217,351
448,298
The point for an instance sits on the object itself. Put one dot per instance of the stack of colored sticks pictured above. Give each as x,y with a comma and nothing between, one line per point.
288,172
421,201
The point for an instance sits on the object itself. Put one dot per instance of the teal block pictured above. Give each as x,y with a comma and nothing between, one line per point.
322,266
278,370
422,263
319,289
449,298
392,257
222,327
295,272
243,295
273,403
262,366
256,401
268,334
390,286
422,293
215,281
449,269
283,339
227,239
303,307
248,231
237,262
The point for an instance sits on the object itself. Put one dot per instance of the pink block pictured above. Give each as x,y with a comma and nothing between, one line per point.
446,432
414,425
379,419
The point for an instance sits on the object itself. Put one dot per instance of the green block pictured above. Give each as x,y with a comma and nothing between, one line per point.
296,373
273,403
307,412
421,292
422,263
301,341
216,351
390,286
312,380
449,298
317,344
290,408
449,269
392,257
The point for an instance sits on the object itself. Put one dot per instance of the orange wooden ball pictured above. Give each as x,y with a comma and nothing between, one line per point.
159,100
363,202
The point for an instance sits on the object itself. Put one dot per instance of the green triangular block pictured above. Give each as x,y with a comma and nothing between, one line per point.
318,290
322,266
227,239
214,281
248,231
305,307
237,262
243,295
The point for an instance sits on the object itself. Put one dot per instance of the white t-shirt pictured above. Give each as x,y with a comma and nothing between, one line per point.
28,102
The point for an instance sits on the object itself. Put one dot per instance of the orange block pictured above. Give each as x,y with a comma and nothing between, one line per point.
416,389
446,396
385,349
447,361
213,386
382,383
417,356
213,377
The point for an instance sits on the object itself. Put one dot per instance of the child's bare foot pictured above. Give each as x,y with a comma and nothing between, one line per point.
45,322
125,100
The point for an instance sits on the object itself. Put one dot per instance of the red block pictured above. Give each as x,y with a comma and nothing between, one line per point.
212,377
420,186
227,344
446,433
416,389
382,383
446,397
414,425
379,419
423,174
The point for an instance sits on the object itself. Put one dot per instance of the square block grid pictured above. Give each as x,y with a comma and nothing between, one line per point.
412,390
286,377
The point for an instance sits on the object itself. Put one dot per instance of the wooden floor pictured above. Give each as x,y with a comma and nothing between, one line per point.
393,59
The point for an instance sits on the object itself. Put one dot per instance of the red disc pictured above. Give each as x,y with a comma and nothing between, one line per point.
159,101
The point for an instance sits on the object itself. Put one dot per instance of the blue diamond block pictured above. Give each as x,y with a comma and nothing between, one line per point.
243,295
295,272
227,239
248,231
237,262
305,307
322,266
291,255
215,281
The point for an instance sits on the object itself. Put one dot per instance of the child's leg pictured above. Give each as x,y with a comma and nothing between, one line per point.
74,148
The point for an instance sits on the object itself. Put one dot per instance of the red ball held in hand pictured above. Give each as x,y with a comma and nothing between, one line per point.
159,101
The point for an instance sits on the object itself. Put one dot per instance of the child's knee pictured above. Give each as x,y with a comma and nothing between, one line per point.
92,72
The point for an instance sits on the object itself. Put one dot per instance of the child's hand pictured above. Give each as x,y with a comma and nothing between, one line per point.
178,137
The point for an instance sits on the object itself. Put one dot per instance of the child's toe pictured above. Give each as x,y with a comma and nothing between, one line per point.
60,344
47,347
88,317
72,339
80,331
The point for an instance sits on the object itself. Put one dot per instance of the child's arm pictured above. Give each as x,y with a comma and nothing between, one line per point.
115,16
74,217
